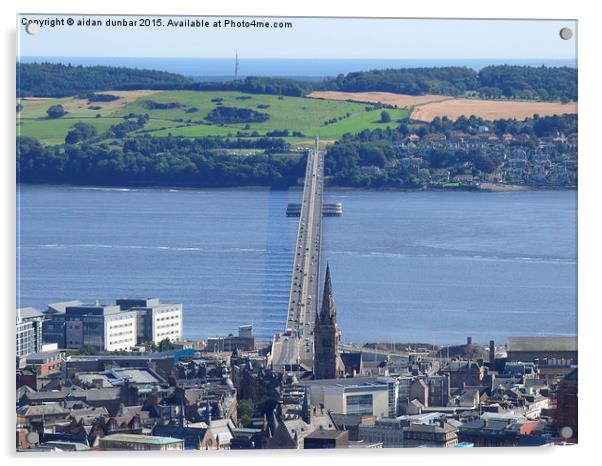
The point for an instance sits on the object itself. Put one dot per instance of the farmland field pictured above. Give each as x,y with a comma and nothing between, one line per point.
427,107
183,113
389,98
490,109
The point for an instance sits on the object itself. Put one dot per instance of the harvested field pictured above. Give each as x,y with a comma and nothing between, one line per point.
490,109
427,107
400,100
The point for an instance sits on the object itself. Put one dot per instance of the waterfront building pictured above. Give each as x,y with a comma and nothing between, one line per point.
121,326
156,321
29,332
103,327
556,350
54,324
327,337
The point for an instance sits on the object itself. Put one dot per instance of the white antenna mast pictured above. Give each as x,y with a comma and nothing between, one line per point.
236,67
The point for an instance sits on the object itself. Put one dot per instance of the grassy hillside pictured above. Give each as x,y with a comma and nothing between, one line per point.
188,111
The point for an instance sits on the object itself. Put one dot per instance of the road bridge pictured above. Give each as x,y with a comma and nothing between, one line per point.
294,346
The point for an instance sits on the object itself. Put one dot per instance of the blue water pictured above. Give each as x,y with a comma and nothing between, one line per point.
425,266
224,67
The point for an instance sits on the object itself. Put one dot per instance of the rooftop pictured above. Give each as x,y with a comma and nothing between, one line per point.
135,438
556,343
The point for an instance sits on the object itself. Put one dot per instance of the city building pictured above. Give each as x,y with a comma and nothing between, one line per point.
440,434
139,442
130,322
103,327
29,331
373,396
244,341
327,439
556,350
327,337
54,323
156,321
566,412
45,363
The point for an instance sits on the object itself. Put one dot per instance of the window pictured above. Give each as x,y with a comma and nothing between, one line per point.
359,404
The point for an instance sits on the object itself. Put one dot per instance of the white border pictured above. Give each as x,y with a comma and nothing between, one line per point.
590,175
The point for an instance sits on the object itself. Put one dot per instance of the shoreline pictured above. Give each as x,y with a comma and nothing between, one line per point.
482,188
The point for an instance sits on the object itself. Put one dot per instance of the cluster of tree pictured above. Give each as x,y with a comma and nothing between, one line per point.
523,82
233,115
164,345
93,97
528,82
80,132
56,111
453,80
130,123
58,80
147,161
152,105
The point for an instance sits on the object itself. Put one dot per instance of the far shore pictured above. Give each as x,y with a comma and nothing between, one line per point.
482,187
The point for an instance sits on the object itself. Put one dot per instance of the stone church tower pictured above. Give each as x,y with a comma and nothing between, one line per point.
327,336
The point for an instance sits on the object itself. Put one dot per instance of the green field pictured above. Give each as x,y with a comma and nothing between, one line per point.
305,115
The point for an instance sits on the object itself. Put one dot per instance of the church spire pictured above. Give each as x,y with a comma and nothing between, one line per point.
328,312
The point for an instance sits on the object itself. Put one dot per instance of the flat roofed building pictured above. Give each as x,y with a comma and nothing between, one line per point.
156,321
555,350
244,341
439,434
104,327
139,442
47,362
326,439
373,396
29,331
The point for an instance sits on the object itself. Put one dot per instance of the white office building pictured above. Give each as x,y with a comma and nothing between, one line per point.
156,321
103,327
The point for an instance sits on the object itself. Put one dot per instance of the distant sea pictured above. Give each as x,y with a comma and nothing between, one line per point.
310,68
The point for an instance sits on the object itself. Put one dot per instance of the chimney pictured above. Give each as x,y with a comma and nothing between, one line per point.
491,353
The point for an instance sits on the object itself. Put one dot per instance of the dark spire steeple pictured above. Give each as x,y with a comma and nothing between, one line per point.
328,311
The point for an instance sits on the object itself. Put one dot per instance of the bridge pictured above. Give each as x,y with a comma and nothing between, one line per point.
294,348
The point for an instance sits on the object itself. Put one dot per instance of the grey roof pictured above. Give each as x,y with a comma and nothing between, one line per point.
39,410
435,428
556,343
59,308
328,434
341,420
482,424
29,313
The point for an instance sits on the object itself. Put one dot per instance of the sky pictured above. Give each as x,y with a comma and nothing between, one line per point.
308,38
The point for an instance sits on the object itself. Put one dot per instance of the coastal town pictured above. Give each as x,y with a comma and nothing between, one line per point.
161,302
121,377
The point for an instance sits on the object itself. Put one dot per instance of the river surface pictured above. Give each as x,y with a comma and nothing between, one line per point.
430,267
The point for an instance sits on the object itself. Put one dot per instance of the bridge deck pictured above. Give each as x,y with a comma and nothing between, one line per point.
295,344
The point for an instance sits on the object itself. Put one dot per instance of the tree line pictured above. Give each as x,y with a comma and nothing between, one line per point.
149,161
494,82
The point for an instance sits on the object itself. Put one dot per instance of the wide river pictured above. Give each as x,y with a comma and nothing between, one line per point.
430,267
